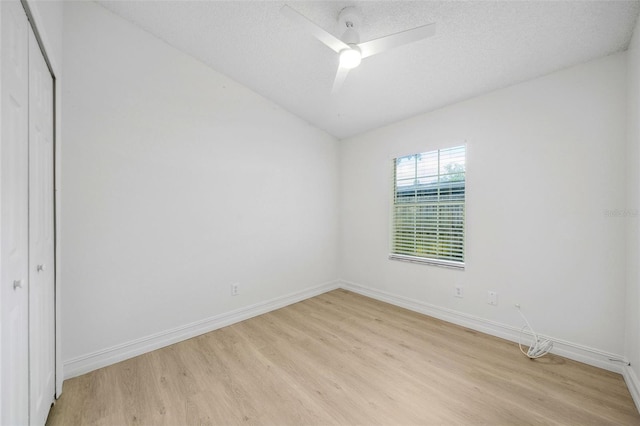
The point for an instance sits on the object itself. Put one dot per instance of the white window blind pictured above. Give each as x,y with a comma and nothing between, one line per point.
429,207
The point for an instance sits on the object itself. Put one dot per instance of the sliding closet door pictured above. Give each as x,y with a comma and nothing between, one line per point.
14,215
41,237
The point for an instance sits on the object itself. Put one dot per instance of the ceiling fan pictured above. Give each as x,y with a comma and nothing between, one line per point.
351,51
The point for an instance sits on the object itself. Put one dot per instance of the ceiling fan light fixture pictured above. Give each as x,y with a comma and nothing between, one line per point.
350,58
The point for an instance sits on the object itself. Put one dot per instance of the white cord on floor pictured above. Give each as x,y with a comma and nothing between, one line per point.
540,347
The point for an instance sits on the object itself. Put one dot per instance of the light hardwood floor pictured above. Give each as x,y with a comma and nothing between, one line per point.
341,358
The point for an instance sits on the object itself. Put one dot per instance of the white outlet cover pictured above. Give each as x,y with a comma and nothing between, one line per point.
458,291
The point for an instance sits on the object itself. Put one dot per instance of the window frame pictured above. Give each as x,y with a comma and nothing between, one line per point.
445,263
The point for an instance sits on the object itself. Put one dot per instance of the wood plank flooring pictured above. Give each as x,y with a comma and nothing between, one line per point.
344,359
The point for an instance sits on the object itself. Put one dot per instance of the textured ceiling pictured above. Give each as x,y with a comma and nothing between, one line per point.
478,47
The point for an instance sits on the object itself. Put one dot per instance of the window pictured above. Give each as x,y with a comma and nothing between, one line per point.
429,207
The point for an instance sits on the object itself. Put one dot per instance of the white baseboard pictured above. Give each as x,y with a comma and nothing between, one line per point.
89,362
631,379
104,357
561,347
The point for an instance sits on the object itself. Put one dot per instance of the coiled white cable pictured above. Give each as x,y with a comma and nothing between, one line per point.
539,348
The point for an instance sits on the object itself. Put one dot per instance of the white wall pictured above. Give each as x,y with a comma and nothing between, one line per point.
178,182
632,323
546,159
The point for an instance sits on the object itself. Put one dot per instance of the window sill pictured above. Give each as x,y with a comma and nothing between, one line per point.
434,262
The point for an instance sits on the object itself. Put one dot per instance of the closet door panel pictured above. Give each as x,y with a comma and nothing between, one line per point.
14,213
41,237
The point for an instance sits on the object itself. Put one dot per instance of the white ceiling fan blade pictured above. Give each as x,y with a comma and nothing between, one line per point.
340,77
330,40
381,44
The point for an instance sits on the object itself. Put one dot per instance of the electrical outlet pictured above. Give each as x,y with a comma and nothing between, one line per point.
235,289
492,298
459,291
